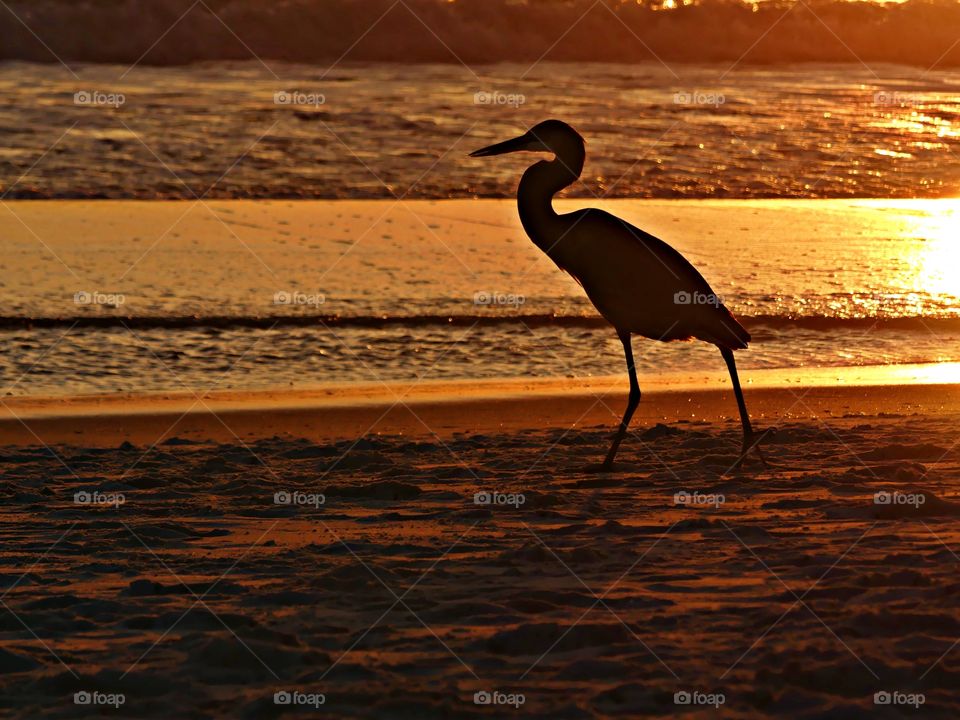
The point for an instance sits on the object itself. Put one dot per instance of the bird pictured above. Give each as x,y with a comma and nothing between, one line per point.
637,282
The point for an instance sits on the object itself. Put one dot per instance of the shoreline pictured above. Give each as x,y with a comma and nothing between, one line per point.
451,408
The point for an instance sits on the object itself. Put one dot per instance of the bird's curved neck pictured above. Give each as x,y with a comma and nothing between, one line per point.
538,185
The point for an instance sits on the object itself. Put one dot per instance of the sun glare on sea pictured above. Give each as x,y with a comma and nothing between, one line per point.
920,257
939,258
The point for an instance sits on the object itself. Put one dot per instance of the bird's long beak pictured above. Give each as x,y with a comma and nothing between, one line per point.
524,142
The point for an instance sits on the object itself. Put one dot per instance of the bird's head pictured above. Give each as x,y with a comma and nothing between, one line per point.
553,136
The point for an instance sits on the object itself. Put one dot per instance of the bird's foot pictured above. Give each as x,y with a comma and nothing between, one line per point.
751,441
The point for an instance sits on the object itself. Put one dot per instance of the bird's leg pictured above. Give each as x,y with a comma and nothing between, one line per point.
632,401
751,440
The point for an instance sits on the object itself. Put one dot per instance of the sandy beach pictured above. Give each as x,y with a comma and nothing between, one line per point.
392,551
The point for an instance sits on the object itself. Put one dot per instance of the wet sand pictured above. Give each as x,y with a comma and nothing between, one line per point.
449,408
305,545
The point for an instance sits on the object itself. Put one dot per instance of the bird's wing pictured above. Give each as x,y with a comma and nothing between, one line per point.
640,283
603,226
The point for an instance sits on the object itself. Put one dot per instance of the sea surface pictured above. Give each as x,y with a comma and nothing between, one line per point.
758,174
258,129
159,296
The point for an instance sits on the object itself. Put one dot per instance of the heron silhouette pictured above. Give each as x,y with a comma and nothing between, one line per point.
637,282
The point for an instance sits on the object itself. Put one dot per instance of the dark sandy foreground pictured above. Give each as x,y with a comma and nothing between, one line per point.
396,596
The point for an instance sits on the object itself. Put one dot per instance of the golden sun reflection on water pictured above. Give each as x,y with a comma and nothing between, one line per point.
912,272
937,262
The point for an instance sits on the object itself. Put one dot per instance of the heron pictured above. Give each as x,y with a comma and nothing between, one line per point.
638,283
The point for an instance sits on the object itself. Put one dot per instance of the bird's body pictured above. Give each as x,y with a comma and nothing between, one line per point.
604,254
637,282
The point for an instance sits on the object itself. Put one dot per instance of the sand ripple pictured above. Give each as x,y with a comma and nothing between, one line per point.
370,574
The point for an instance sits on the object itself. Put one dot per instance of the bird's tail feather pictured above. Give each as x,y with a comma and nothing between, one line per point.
726,331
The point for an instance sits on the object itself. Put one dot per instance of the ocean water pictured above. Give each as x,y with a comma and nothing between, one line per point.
160,296
432,282
253,129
